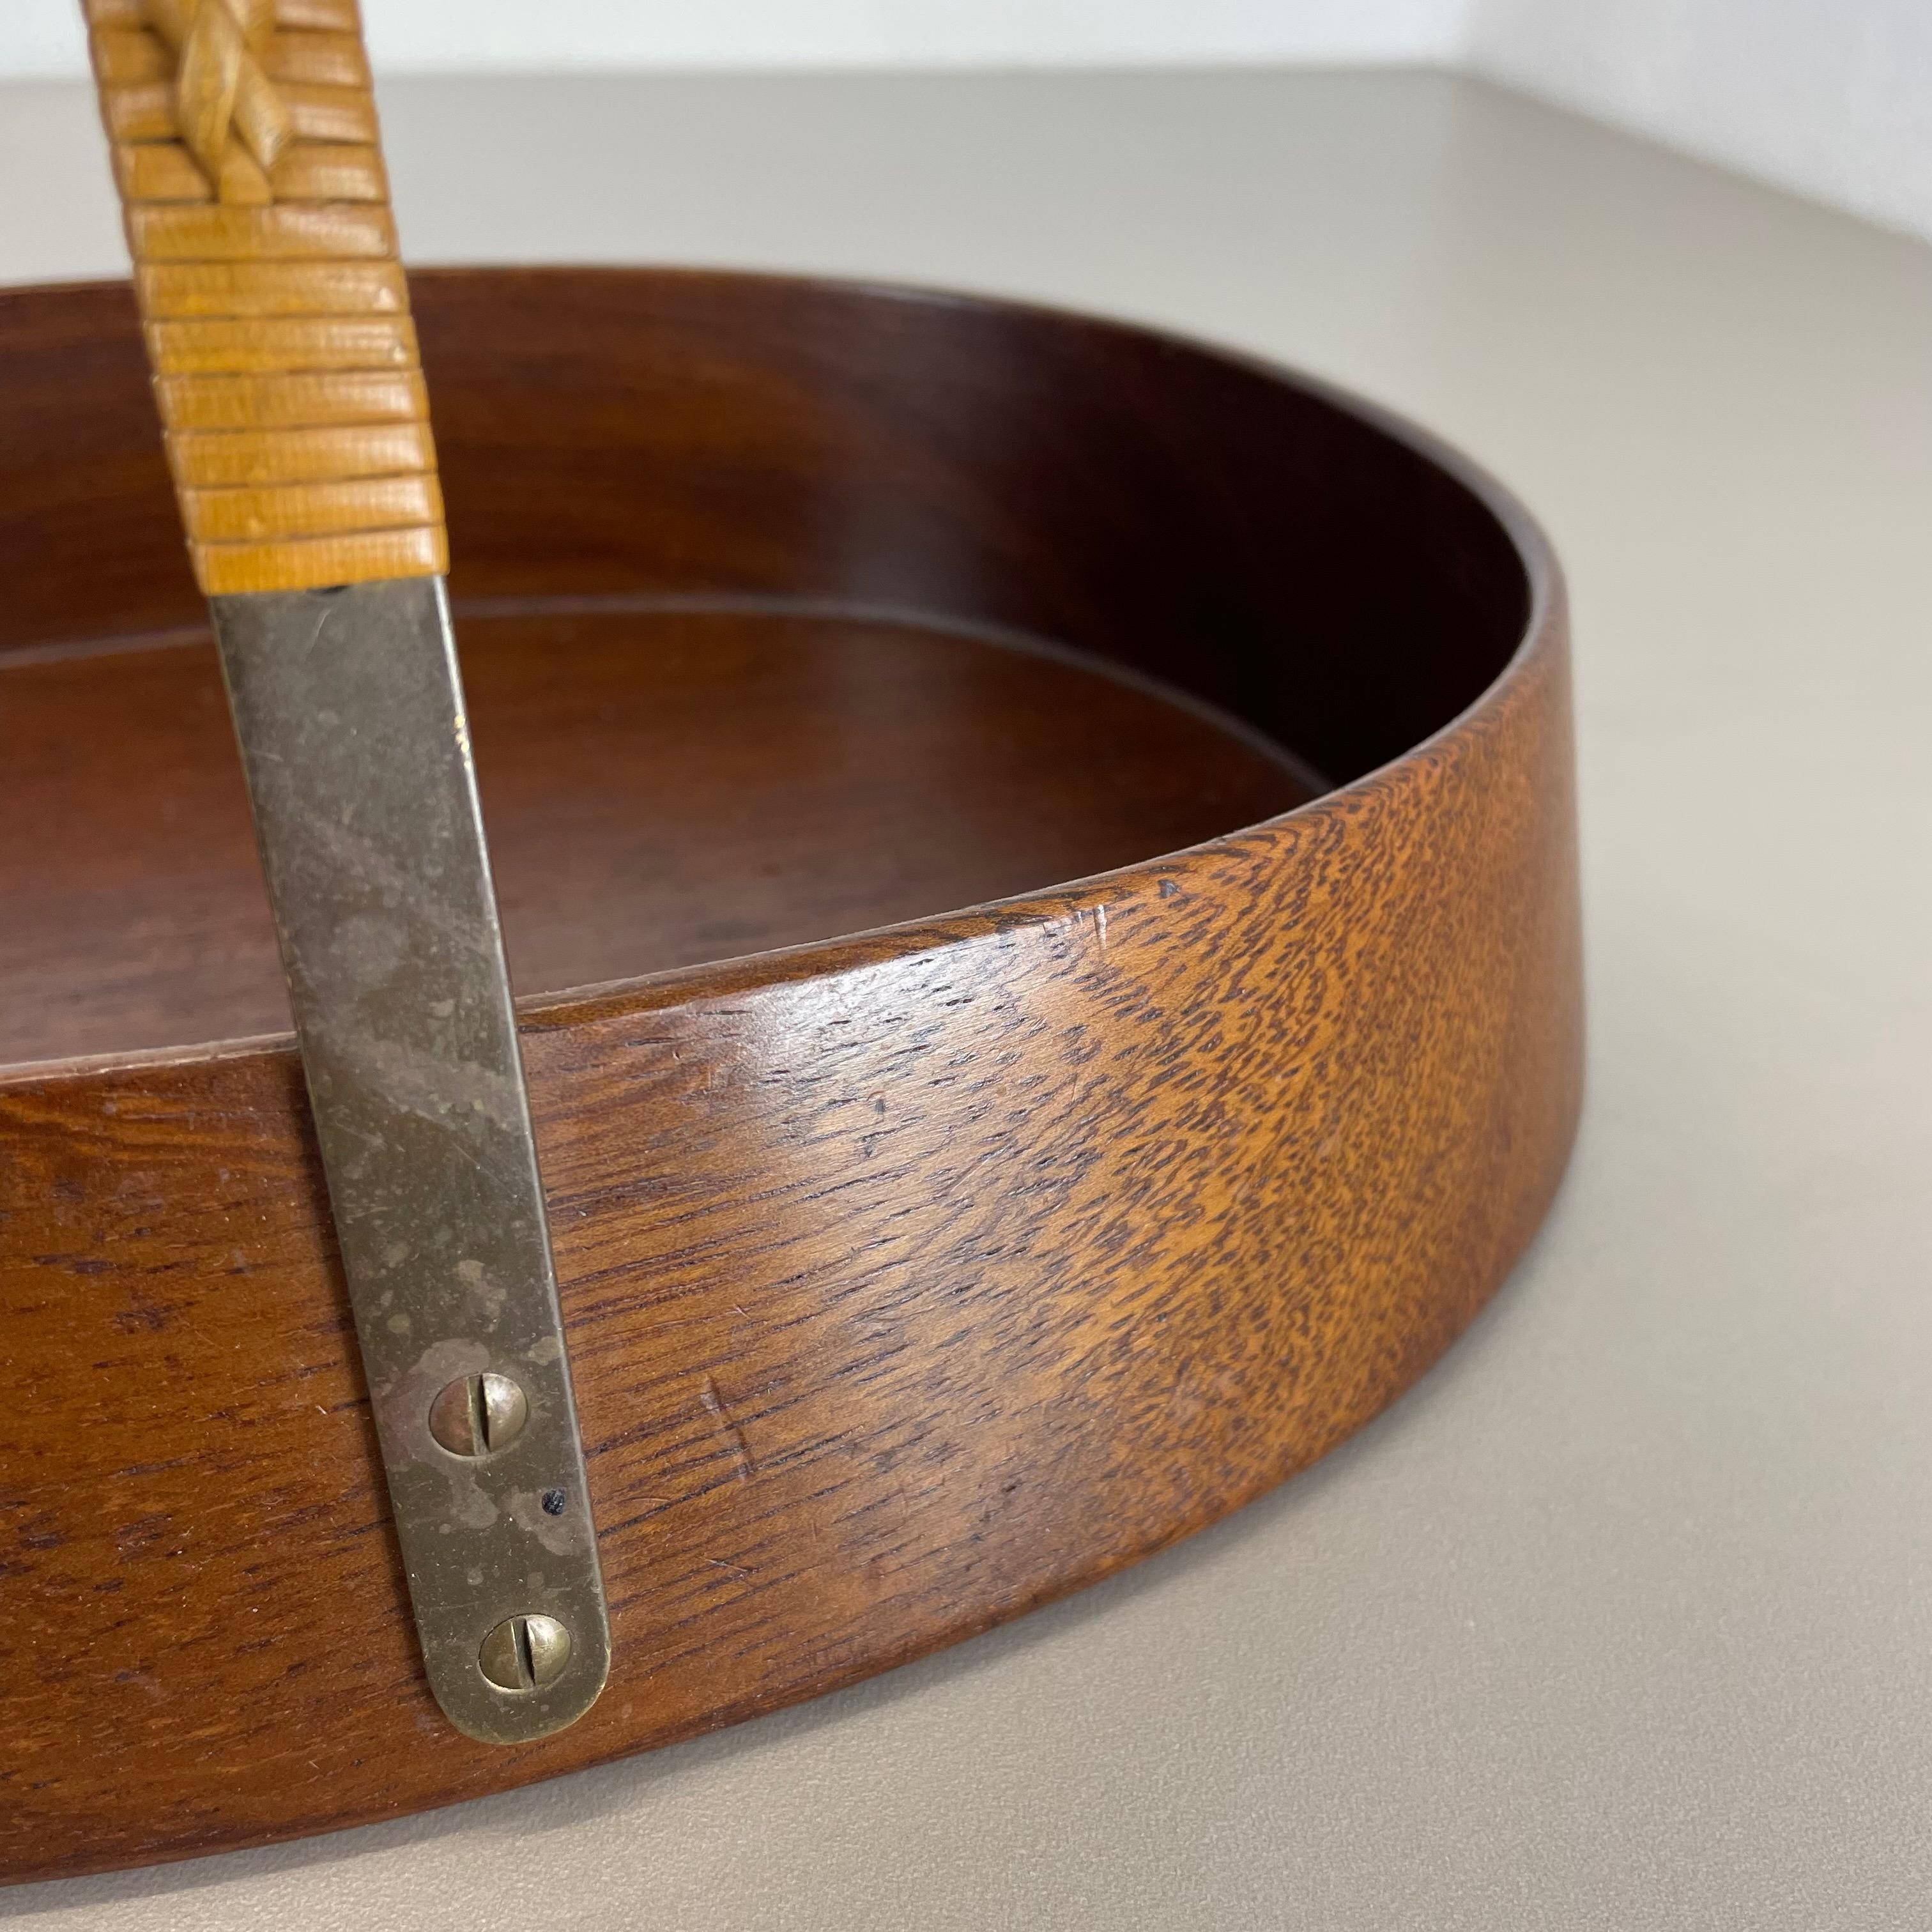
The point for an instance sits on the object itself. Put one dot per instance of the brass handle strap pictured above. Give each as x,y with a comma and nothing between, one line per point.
277,321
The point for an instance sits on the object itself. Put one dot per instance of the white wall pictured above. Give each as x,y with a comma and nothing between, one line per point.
1831,98
429,36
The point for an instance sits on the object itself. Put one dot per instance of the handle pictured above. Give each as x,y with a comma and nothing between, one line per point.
277,318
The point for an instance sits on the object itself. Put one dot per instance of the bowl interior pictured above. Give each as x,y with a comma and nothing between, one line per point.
787,609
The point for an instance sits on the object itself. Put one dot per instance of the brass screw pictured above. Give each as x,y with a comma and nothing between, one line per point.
525,1653
478,1414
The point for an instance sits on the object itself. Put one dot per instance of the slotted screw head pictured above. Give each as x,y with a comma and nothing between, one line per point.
525,1653
478,1414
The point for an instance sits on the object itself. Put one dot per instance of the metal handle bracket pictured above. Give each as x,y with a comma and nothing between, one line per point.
349,707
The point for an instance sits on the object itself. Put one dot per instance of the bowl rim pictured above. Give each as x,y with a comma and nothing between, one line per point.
563,1008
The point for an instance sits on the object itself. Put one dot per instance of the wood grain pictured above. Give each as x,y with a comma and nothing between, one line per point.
913,1278
763,779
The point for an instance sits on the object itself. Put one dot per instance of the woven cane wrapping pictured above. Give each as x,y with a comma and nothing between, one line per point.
246,150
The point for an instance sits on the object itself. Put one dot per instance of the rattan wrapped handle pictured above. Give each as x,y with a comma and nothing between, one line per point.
277,322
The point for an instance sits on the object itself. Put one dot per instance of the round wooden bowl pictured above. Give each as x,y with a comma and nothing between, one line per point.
1188,749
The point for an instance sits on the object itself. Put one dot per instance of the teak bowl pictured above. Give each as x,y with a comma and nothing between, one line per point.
911,1278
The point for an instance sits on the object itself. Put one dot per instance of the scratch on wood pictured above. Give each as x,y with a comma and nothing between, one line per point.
740,1449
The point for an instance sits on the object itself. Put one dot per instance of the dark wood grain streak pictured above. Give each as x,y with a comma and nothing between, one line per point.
911,1279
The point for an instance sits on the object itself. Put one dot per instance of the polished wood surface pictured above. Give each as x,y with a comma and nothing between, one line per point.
759,779
285,367
912,1278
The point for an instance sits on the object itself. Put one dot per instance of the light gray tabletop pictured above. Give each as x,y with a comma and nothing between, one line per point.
1622,1618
